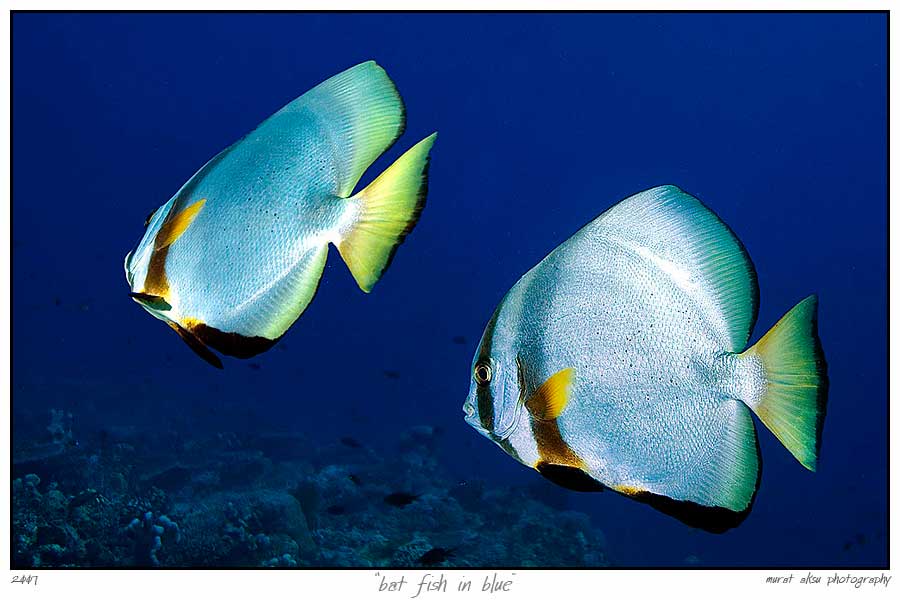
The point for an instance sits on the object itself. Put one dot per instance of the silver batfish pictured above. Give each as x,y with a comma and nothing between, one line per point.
620,362
234,258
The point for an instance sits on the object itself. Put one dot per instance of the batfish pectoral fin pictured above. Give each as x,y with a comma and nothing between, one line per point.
569,477
196,345
550,399
151,301
714,519
175,226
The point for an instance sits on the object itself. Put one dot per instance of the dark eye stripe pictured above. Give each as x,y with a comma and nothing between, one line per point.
485,407
483,393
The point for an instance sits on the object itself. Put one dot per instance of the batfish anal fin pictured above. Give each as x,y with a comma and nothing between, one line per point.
724,485
266,317
550,400
177,225
232,344
714,519
151,301
196,345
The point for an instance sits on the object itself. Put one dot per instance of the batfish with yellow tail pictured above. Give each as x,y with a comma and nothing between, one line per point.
235,257
620,362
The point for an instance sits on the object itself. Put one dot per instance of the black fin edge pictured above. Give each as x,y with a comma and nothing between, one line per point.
712,519
197,346
571,478
421,197
232,344
824,383
402,129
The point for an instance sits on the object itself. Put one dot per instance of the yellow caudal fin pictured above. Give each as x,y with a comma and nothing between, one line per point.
550,400
793,403
389,208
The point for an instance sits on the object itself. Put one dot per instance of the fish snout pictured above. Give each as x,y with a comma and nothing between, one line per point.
469,409
471,417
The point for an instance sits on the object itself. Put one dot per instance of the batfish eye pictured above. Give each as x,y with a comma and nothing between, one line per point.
483,373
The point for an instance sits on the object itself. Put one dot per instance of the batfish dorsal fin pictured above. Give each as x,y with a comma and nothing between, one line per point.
363,114
550,400
677,234
177,225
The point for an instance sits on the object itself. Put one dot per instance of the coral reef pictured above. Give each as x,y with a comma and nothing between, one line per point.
148,534
275,500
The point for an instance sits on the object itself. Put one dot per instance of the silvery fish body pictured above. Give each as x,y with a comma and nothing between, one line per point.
619,362
236,255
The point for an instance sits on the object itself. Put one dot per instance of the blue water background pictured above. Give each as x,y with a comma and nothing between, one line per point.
776,121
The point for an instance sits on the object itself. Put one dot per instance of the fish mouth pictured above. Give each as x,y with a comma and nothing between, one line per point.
478,428
496,436
471,417
129,275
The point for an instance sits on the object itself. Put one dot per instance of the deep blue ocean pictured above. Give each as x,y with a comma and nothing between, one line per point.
778,122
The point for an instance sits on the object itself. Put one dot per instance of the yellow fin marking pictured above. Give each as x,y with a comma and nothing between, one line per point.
177,225
628,490
550,400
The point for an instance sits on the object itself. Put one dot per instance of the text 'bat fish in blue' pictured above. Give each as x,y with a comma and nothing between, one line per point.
235,257
620,362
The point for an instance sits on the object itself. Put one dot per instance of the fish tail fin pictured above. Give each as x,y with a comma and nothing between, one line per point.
792,405
388,209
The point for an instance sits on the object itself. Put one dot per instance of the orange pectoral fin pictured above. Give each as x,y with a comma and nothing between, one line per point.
177,225
550,400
